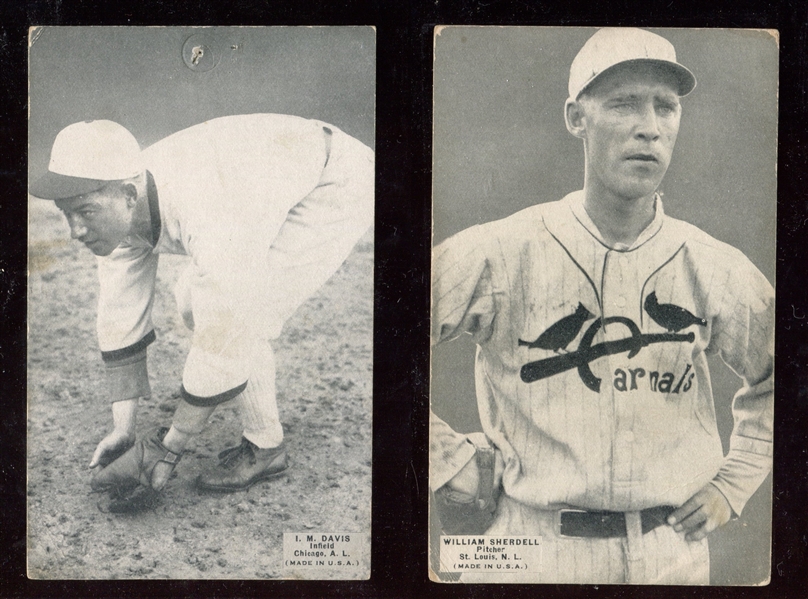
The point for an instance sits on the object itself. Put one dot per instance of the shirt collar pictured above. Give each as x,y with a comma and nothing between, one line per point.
576,203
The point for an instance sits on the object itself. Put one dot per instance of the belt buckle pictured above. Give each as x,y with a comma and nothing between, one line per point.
557,523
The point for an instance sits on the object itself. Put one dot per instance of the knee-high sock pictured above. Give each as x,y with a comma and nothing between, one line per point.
257,405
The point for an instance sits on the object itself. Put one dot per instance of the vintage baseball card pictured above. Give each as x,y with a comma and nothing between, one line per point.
200,302
602,320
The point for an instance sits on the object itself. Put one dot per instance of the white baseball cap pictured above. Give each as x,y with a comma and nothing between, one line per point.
85,157
612,46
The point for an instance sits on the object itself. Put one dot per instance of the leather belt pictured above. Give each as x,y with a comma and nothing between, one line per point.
604,525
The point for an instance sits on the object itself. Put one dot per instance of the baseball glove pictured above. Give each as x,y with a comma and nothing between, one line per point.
131,501
463,514
129,478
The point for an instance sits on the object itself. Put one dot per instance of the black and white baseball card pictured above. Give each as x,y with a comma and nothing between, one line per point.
602,321
200,302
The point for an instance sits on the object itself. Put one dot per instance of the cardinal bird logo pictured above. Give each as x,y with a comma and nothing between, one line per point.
561,334
670,317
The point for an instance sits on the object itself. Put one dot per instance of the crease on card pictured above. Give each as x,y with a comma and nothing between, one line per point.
33,34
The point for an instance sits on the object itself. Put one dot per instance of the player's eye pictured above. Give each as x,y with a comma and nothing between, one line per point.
624,106
666,109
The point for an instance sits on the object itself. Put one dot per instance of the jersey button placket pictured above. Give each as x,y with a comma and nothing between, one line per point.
614,289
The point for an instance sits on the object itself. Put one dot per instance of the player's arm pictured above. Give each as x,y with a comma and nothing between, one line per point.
122,436
744,337
451,458
462,302
465,471
465,474
462,288
126,295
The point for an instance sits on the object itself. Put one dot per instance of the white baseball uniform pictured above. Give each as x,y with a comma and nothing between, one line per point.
268,207
613,408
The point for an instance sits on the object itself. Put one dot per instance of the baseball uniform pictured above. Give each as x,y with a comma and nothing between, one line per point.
268,207
592,380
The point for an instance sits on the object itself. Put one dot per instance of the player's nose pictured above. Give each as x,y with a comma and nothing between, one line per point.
648,124
77,228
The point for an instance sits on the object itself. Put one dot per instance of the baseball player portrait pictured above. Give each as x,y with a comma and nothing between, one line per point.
255,210
612,399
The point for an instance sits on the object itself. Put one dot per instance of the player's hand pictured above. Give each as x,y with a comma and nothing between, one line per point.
111,447
468,479
701,514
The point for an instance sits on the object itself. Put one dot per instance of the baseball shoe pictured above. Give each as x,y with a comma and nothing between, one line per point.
242,466
136,467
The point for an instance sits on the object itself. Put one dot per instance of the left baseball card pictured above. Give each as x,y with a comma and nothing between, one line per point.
200,302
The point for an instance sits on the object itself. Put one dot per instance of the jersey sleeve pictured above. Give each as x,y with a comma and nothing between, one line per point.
449,452
462,302
124,324
462,290
744,338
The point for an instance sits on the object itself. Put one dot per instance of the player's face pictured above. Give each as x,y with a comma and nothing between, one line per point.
101,220
630,126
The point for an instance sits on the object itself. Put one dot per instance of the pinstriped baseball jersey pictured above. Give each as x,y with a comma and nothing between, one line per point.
591,366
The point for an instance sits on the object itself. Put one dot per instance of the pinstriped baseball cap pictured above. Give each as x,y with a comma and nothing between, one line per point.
613,46
85,157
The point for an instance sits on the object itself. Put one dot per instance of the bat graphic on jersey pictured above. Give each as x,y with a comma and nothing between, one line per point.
669,316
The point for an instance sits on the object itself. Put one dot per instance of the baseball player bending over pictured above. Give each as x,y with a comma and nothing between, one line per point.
594,316
268,207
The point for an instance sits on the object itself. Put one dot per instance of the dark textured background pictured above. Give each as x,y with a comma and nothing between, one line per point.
403,226
500,145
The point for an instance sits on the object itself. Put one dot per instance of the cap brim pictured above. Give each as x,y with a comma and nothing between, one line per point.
53,186
685,78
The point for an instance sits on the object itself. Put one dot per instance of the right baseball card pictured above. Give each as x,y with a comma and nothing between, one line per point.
603,305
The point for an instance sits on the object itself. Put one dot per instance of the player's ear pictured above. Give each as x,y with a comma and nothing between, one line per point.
130,193
575,118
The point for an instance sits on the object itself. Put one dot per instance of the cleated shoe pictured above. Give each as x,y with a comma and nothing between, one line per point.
242,466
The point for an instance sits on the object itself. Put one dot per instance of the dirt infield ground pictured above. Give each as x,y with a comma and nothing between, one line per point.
324,361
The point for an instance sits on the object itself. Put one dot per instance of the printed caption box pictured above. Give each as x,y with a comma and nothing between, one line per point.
324,550
464,553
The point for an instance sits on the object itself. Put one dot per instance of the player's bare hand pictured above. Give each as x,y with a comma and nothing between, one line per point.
112,447
468,479
701,514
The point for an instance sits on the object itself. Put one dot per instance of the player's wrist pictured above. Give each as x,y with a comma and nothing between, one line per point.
124,418
467,480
